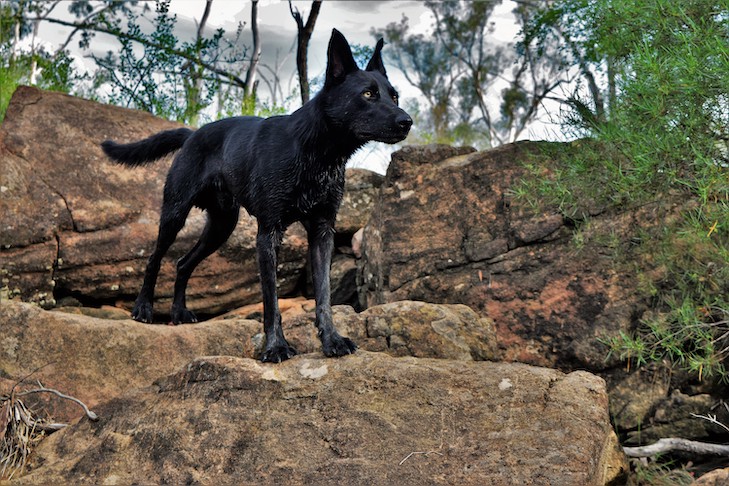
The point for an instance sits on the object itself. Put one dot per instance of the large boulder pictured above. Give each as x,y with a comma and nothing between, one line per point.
447,228
363,419
95,359
77,225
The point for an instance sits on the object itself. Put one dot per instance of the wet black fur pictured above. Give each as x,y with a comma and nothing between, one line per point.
281,169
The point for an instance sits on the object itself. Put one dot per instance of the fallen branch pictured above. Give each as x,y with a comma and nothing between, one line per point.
673,444
91,415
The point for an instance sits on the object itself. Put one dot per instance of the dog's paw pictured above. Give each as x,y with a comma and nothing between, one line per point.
142,312
278,353
338,346
182,316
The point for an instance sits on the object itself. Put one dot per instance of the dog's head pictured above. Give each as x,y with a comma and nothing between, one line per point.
362,102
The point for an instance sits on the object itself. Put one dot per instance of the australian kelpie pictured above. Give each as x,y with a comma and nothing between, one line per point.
281,169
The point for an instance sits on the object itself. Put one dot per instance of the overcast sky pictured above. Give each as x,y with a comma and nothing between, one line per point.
355,19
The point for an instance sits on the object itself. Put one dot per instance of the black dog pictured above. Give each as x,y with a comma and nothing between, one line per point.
281,169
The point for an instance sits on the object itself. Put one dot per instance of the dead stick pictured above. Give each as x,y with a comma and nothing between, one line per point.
673,444
91,415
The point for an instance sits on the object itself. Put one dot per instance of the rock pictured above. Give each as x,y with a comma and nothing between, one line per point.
672,417
448,229
103,312
717,477
290,308
361,189
635,396
344,280
357,243
96,359
76,224
406,329
363,419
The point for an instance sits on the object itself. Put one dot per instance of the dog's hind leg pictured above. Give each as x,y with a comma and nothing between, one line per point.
220,224
277,348
321,245
172,219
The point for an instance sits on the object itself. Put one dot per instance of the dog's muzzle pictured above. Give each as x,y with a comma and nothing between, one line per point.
403,122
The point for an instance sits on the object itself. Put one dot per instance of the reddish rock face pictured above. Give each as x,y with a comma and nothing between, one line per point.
447,228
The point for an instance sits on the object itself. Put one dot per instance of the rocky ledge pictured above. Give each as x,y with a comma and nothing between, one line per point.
364,419
397,416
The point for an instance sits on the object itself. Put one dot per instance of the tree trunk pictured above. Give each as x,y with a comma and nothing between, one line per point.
302,47
250,82
193,85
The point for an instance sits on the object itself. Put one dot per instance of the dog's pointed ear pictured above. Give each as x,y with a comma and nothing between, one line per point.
375,63
340,60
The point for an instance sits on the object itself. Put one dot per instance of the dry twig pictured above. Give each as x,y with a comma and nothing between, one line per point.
91,415
419,452
20,430
18,434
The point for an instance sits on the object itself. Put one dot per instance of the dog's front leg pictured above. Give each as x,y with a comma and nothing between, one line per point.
277,348
321,244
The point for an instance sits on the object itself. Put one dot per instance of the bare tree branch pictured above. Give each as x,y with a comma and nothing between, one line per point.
84,21
123,35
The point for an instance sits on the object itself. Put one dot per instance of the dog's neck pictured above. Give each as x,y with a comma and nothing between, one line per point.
320,138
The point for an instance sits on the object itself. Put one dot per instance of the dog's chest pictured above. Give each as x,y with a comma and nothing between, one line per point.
320,191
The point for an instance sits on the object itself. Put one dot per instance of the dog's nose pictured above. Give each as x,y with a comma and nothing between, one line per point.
404,121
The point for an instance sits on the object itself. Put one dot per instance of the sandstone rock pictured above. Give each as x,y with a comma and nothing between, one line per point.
407,329
717,477
672,417
448,229
635,396
344,280
96,359
290,308
362,419
97,246
361,189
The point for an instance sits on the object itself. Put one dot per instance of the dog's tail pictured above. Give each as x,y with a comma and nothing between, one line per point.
147,150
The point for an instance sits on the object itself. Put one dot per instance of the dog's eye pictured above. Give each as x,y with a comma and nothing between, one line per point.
369,94
395,98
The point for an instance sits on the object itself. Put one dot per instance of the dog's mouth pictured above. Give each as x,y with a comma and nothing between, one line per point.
394,137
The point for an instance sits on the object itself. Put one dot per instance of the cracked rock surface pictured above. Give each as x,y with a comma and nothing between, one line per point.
367,418
95,359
